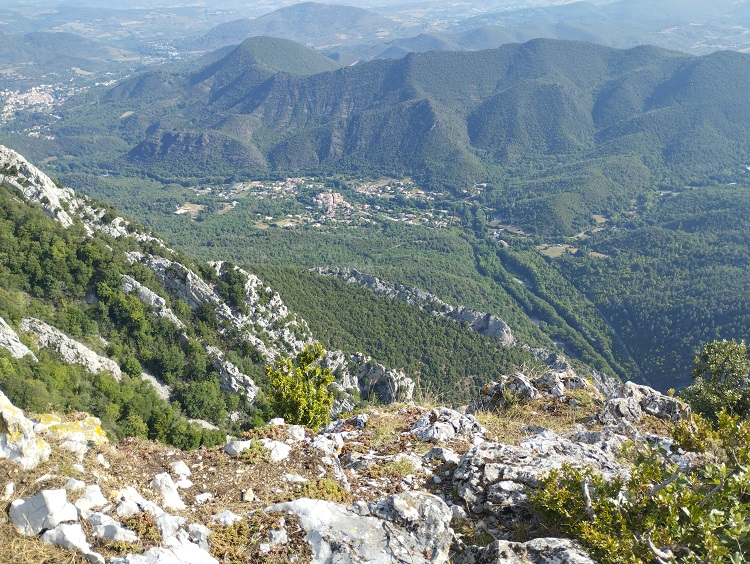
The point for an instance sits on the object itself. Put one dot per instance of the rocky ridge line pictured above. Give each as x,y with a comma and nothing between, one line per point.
483,323
457,477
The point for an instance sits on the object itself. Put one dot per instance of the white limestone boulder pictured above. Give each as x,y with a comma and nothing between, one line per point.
18,441
45,510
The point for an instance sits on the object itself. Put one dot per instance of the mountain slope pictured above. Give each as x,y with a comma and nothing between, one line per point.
201,333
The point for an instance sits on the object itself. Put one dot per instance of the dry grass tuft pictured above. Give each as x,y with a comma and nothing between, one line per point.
19,549
326,489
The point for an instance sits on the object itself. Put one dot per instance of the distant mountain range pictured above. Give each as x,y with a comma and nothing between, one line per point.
315,25
352,34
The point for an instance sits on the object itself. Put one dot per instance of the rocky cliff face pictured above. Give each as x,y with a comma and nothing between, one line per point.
58,202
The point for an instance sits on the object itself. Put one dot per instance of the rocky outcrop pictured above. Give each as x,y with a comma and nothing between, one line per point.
75,436
443,425
9,341
388,386
46,510
493,479
150,298
71,351
266,323
408,527
406,503
535,551
633,401
483,323
18,441
518,388
37,186
231,378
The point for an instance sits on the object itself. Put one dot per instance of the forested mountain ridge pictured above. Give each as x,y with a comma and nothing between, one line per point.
141,313
528,117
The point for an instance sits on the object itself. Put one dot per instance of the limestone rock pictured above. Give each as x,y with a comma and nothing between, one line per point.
443,425
425,516
45,510
296,432
357,422
266,316
485,324
536,551
177,549
226,518
619,409
180,468
91,498
72,536
411,527
162,390
339,365
445,455
186,551
389,386
495,395
492,478
278,451
108,528
199,534
131,502
9,340
8,491
78,436
230,377
150,298
329,445
71,351
633,400
168,525
235,448
37,187
18,441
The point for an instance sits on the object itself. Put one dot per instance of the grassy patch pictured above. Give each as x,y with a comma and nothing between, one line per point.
392,470
240,543
144,525
506,425
256,453
325,488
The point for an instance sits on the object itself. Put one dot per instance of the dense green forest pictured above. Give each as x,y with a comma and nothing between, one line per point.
443,357
74,282
675,277
451,263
